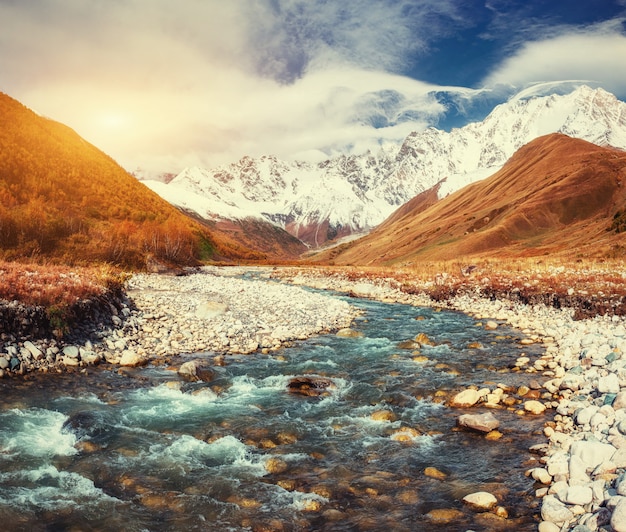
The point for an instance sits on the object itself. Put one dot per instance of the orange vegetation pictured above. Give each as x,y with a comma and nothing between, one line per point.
55,286
63,200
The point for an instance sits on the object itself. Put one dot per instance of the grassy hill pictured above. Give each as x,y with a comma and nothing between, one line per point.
556,196
64,200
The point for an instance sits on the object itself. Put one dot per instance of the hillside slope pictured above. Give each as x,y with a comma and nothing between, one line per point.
556,195
64,200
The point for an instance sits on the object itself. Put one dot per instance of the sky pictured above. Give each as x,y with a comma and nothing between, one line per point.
162,85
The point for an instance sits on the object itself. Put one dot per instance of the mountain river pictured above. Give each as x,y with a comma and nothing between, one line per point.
142,450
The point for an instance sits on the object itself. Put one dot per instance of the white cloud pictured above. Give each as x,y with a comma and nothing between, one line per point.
597,55
163,86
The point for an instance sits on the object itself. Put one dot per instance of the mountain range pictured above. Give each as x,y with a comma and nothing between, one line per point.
556,196
352,194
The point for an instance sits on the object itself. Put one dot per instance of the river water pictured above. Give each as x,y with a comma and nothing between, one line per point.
142,450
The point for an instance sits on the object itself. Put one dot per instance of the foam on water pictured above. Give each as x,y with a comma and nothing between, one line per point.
35,432
48,488
188,452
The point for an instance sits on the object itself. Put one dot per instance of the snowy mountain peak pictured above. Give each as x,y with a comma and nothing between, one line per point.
353,193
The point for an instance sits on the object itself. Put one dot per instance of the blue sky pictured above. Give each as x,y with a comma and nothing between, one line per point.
163,85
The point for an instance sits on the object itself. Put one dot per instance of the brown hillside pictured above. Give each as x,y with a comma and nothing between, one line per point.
64,200
556,195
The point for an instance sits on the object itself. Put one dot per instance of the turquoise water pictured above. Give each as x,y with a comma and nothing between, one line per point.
143,450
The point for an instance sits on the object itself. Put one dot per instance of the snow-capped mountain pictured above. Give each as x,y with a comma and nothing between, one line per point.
352,194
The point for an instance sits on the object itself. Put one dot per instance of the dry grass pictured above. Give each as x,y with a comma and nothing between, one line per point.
53,286
589,286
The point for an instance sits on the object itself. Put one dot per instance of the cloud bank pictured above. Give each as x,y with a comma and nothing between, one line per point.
165,85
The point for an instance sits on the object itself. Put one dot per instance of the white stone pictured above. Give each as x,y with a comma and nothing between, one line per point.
547,526
481,422
583,417
555,511
618,519
33,349
592,453
71,351
131,359
540,475
609,384
578,495
481,501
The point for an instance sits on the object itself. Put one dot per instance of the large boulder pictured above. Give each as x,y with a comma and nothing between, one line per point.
479,422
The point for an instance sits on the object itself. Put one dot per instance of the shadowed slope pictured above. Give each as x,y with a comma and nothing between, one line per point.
556,195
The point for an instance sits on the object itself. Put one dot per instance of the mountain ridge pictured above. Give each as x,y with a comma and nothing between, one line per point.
555,196
354,193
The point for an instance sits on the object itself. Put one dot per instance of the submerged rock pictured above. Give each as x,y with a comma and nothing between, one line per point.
310,386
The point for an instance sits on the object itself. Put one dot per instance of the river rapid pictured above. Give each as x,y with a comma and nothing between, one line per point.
142,449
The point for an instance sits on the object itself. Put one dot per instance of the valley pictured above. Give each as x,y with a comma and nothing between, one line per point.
509,232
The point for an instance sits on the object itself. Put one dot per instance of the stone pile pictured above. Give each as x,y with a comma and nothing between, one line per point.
204,311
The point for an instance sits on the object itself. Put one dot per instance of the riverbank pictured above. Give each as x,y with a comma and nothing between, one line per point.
162,316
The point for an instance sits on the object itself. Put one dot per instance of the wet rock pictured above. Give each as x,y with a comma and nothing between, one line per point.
409,344
194,370
383,415
540,474
349,333
534,407
84,424
465,399
423,339
310,386
481,501
405,434
333,515
479,422
433,472
444,516
276,466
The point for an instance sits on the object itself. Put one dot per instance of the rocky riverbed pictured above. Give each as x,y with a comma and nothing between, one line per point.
580,472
